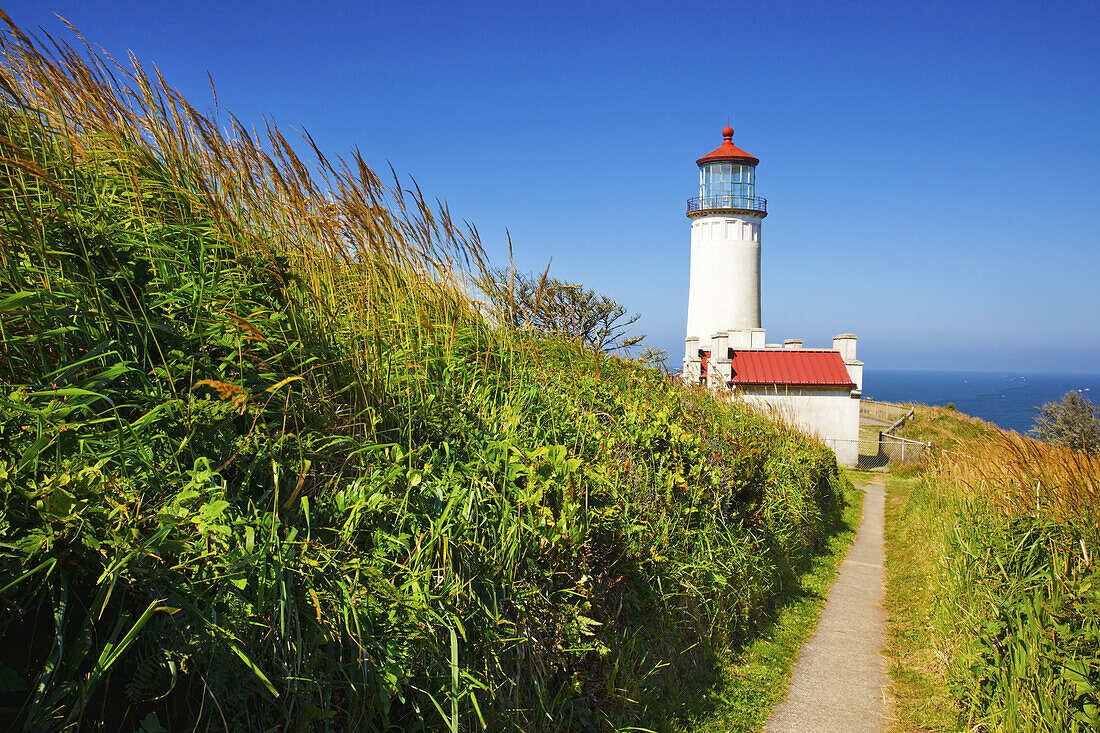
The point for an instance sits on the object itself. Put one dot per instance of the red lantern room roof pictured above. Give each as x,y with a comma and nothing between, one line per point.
727,151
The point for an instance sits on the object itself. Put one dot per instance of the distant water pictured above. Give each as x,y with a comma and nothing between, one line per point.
1003,398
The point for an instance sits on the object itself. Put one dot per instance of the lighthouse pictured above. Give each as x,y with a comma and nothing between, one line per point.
724,290
815,389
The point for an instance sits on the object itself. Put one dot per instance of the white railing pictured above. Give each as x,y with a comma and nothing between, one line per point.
885,411
903,450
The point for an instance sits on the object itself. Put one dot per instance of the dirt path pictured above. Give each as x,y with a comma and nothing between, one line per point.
839,682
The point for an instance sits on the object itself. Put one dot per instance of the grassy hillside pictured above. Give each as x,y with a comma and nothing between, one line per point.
991,583
264,463
947,428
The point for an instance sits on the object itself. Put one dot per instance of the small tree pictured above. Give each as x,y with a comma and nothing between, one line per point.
651,356
1074,422
551,306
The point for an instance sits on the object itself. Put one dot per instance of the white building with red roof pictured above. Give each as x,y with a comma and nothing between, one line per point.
817,390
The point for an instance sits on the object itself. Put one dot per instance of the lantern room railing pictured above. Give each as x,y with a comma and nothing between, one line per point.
722,202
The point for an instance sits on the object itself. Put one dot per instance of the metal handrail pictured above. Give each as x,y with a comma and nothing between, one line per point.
743,203
909,441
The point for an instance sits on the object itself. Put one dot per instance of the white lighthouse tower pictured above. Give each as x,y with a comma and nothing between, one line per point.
724,291
816,390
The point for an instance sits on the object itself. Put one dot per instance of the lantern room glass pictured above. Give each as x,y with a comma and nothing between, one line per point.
727,184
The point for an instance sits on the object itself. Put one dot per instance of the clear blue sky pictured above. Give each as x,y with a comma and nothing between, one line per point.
932,169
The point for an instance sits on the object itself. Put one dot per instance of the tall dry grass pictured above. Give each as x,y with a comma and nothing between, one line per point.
357,245
1022,476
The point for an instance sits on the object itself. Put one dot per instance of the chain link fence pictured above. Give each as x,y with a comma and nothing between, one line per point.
887,451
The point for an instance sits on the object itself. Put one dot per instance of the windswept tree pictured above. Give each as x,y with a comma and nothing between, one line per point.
1074,422
555,307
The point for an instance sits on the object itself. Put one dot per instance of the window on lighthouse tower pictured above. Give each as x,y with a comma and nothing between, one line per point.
727,184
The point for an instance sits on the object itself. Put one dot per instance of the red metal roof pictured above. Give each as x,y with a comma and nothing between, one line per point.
817,367
728,151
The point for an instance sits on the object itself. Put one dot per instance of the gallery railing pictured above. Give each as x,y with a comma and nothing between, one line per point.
734,203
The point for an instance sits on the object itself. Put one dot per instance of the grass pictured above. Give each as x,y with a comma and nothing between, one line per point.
869,432
868,442
994,616
914,548
754,678
266,462
947,429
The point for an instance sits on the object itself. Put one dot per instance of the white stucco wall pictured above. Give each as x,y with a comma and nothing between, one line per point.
829,414
724,290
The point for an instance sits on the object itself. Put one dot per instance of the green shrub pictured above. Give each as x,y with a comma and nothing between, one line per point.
1074,423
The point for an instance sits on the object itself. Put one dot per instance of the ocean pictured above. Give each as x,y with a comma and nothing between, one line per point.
1006,399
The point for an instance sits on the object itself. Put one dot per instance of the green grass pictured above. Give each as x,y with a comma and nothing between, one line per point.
945,428
914,548
754,678
870,432
266,464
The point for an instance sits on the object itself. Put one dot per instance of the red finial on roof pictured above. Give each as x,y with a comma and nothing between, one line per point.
727,151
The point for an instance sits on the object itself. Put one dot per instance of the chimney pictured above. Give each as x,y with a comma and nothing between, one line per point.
792,344
719,342
740,339
772,346
722,362
845,343
756,338
691,348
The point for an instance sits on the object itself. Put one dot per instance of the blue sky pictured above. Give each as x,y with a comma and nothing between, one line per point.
932,169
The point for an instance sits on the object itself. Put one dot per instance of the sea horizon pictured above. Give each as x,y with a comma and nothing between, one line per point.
1007,398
